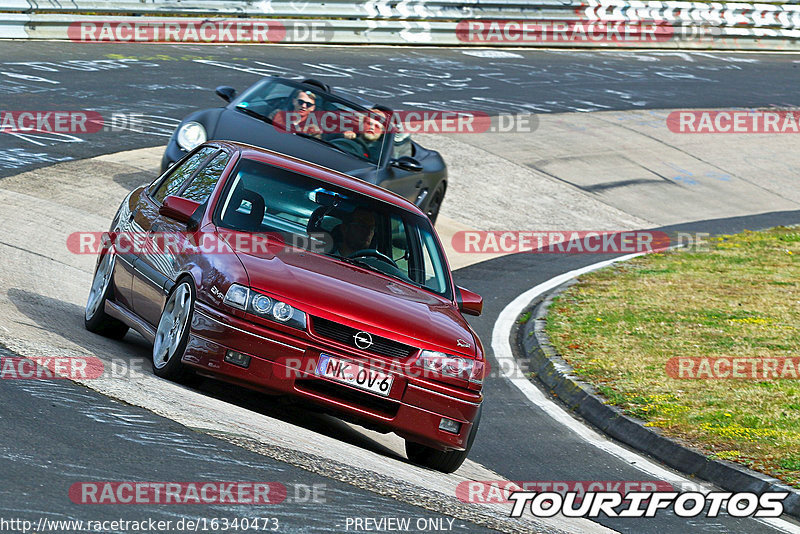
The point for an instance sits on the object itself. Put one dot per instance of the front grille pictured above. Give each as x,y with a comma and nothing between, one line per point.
353,397
345,334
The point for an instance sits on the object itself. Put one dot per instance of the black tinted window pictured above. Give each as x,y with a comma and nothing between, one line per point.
340,223
174,181
204,182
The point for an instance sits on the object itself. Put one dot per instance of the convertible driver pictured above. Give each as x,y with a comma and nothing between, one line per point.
295,117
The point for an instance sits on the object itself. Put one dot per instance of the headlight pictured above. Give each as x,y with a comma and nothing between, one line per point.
236,296
459,367
250,301
191,135
282,311
261,304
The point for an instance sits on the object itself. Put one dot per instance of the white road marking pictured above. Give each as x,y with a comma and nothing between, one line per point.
494,54
501,345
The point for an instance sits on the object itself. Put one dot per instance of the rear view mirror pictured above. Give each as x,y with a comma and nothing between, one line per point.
469,302
225,93
180,209
323,197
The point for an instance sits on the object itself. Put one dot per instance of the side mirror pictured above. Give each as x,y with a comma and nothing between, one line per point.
225,93
407,163
180,209
469,302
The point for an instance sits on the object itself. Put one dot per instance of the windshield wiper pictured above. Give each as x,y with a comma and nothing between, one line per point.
370,267
255,114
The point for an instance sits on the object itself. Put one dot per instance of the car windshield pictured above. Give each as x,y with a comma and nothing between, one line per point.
314,215
300,110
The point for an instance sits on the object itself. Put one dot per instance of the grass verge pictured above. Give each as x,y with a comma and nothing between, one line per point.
619,327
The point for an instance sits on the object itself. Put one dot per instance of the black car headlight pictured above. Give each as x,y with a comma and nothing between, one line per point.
191,135
265,306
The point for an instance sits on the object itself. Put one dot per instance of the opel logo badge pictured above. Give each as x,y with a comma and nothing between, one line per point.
363,340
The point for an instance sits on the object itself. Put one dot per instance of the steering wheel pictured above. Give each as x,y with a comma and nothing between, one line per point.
348,145
372,253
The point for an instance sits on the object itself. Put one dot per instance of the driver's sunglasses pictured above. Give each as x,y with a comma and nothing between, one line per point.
304,103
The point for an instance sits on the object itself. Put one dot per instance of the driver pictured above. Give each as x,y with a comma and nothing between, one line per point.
357,232
295,117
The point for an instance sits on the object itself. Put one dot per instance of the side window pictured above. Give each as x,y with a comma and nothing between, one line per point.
201,186
434,270
400,252
175,180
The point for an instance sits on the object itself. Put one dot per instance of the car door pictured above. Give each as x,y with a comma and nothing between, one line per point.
198,188
125,254
406,183
149,287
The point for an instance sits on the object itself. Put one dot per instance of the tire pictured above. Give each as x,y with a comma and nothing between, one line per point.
436,202
172,333
444,461
95,318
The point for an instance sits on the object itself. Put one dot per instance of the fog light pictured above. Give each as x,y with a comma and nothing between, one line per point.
448,425
237,358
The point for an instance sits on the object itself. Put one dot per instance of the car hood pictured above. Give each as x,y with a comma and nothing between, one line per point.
362,299
234,125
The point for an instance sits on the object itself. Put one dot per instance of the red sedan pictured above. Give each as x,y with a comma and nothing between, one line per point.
283,276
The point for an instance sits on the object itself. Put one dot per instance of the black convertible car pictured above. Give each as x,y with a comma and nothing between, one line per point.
274,114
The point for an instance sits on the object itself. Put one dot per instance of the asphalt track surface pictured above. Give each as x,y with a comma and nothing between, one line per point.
55,433
47,427
161,84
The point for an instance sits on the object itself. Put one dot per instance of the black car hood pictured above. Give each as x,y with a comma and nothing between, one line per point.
234,125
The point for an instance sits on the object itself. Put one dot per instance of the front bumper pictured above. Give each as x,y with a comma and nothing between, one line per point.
280,363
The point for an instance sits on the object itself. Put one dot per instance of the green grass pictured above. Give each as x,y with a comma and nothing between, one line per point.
618,327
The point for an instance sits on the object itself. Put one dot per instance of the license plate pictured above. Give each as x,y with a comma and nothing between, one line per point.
354,375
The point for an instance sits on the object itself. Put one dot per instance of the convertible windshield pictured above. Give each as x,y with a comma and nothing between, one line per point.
317,216
297,109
